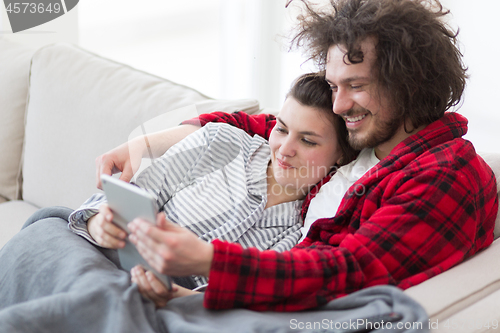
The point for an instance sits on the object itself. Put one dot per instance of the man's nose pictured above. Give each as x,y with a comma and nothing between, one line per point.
342,101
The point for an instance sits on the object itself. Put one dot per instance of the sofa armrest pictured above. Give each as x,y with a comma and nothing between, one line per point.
462,286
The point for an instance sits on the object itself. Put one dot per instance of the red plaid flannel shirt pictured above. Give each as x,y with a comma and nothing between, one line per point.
426,207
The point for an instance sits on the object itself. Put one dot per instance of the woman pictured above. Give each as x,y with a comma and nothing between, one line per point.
223,184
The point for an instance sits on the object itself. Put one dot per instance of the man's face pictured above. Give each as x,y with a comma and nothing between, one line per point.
359,100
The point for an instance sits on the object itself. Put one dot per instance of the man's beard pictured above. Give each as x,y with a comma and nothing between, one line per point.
383,131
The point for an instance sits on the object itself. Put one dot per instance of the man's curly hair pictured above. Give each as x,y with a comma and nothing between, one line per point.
417,58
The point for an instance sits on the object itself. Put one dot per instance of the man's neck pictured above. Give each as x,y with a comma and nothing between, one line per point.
384,149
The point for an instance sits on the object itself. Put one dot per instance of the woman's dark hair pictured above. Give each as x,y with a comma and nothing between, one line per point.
417,59
312,90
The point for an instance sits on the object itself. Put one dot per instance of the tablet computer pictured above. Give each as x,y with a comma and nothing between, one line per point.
128,202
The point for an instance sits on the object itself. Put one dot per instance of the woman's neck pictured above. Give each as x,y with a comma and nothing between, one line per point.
277,194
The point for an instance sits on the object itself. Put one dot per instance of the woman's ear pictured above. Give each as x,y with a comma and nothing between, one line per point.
340,161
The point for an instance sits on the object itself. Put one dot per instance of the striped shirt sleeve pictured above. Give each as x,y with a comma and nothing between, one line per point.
79,218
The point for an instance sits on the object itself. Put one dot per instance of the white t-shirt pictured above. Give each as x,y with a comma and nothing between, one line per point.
327,200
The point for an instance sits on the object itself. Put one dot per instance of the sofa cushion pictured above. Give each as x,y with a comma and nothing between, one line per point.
14,66
80,106
482,316
13,214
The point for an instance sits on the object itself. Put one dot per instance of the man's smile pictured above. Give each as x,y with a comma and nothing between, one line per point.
355,119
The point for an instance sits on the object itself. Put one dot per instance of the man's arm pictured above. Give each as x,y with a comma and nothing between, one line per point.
126,158
255,124
426,223
424,226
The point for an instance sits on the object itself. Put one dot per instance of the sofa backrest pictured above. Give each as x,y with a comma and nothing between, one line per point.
81,105
14,68
493,160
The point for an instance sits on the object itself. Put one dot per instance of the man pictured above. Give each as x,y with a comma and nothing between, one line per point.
425,201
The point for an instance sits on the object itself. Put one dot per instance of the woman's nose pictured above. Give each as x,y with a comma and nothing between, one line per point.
287,148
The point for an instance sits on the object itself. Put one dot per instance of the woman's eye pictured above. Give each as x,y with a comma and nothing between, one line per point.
309,143
280,130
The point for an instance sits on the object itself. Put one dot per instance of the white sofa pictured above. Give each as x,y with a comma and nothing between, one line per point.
61,107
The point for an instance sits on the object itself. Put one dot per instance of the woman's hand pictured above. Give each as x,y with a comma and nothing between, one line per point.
152,288
103,231
171,249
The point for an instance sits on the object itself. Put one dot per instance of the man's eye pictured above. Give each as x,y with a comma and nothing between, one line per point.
333,88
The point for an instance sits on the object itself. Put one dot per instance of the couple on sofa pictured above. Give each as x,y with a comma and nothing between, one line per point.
221,183
425,202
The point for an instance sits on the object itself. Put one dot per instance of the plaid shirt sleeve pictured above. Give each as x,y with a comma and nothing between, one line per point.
268,280
255,124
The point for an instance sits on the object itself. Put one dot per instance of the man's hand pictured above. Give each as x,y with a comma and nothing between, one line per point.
171,249
125,158
152,288
103,231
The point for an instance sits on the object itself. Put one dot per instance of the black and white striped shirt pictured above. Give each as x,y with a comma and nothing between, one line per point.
214,182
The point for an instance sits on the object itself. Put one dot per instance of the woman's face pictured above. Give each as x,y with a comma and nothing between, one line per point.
304,146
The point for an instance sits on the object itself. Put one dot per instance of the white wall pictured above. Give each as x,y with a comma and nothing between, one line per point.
224,48
177,40
233,49
478,23
251,53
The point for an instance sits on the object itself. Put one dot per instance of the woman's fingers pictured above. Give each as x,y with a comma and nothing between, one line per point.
157,286
142,282
104,231
150,287
109,235
106,212
113,230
